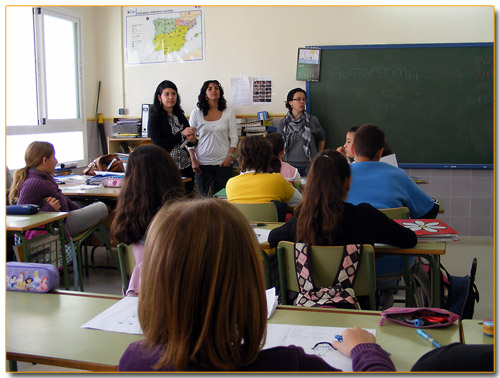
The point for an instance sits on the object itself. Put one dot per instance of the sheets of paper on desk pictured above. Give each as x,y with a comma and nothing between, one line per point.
430,230
272,301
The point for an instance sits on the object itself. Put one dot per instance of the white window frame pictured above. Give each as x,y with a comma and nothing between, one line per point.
46,125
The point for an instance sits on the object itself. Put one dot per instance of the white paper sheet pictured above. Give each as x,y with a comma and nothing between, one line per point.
240,90
262,234
272,301
390,159
120,317
306,337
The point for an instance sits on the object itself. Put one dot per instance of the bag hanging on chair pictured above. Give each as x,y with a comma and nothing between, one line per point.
106,163
341,293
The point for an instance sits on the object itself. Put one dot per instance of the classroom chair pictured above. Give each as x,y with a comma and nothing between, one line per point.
79,241
399,213
258,212
127,263
324,264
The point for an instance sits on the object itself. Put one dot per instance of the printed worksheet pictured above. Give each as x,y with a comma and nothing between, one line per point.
313,339
120,317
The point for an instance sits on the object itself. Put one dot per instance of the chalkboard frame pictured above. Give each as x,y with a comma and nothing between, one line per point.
400,46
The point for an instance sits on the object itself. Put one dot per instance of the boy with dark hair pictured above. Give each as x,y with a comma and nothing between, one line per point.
384,186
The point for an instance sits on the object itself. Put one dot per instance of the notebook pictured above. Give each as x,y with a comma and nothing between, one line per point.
430,230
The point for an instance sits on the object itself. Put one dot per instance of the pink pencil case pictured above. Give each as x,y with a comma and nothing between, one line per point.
419,317
31,277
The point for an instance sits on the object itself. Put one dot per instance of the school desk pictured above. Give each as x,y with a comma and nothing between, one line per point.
19,224
432,251
472,332
54,336
73,189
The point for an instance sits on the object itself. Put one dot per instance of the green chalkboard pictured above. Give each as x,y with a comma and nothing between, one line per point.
434,102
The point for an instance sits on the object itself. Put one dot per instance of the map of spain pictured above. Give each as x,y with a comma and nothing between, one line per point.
164,36
170,34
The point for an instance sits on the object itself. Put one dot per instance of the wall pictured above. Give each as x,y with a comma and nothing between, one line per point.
260,41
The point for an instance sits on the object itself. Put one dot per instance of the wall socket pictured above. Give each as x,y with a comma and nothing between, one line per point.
122,111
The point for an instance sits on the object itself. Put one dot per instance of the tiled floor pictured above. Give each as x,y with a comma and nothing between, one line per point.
457,260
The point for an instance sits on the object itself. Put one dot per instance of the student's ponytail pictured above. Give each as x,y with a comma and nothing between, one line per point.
19,177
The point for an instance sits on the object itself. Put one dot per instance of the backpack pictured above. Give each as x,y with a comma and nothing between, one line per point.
341,293
107,163
458,294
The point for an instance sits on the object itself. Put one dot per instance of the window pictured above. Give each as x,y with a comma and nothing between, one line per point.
44,82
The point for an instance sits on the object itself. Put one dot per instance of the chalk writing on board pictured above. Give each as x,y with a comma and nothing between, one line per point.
377,72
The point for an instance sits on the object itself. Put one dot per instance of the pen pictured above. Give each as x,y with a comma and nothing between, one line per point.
426,336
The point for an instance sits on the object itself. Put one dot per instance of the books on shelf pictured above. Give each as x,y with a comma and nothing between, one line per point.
430,230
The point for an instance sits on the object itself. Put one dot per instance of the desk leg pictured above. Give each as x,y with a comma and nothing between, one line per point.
62,239
11,365
436,280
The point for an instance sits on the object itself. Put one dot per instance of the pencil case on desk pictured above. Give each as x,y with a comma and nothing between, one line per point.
31,277
419,317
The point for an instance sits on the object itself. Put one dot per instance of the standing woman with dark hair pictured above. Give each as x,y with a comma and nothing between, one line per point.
218,138
151,180
169,128
302,132
324,218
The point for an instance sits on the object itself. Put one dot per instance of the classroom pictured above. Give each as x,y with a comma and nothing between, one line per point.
260,43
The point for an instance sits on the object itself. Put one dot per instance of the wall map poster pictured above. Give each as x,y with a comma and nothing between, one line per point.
159,34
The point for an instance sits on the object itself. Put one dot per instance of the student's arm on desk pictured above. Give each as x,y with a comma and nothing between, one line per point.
285,232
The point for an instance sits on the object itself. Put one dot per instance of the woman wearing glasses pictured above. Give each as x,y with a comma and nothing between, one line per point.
302,132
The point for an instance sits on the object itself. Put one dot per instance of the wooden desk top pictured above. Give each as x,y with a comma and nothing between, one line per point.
419,249
402,342
473,332
72,188
54,336
26,222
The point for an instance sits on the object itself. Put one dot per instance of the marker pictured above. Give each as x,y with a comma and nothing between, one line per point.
339,338
426,336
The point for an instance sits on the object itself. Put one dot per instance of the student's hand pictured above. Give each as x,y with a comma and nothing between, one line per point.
341,149
228,161
352,337
53,202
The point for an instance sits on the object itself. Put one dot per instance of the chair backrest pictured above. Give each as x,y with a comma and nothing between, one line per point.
397,212
324,264
127,262
258,212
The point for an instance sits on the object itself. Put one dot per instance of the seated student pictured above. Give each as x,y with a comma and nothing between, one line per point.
255,184
34,184
458,357
324,218
206,308
290,173
151,179
347,149
382,185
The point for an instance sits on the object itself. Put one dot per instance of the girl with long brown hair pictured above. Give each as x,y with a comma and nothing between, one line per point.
151,179
205,306
324,218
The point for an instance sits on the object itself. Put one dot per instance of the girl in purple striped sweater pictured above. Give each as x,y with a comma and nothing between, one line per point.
34,184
